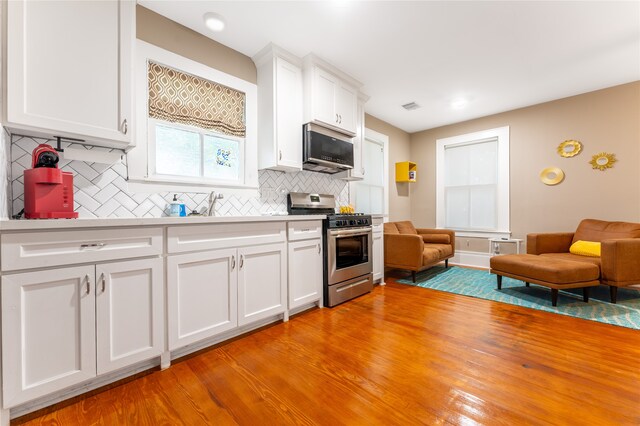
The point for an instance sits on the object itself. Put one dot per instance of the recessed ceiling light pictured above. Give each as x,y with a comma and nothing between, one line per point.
214,21
459,103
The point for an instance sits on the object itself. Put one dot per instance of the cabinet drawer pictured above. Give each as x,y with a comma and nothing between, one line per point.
41,249
304,230
182,239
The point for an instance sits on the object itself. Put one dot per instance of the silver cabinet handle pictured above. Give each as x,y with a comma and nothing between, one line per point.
88,284
318,248
280,156
337,119
233,262
340,122
363,171
125,127
96,246
241,260
104,282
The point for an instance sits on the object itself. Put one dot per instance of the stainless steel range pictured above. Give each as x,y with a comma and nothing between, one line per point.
347,246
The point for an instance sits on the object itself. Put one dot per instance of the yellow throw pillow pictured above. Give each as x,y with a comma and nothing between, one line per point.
585,248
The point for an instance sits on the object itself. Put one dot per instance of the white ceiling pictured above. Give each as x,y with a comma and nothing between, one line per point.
497,55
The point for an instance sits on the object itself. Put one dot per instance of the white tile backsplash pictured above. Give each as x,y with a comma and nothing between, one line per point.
102,191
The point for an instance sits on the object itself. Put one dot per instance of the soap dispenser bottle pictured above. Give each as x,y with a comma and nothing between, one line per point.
174,207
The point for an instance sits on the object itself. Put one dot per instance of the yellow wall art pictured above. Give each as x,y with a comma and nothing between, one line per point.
603,161
569,148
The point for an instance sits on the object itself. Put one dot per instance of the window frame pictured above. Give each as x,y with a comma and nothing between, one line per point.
380,139
151,124
140,159
503,229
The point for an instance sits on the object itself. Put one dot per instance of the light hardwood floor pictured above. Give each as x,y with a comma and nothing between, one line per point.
401,355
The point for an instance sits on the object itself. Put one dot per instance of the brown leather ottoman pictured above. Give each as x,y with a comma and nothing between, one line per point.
553,273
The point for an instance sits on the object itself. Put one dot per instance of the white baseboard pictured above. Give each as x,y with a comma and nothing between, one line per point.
475,259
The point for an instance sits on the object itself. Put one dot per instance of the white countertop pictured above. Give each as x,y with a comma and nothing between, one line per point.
52,224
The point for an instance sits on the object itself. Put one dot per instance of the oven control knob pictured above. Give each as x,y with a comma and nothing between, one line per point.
352,222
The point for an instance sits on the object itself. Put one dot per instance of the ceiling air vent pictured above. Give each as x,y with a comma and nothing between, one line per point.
411,106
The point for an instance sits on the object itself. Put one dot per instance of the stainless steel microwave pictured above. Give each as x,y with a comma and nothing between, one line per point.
324,150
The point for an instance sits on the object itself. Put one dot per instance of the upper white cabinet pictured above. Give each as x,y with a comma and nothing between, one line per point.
358,171
330,96
69,69
279,110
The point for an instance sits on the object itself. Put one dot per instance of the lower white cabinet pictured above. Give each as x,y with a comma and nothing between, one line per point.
215,291
63,326
201,295
129,312
378,250
305,272
262,282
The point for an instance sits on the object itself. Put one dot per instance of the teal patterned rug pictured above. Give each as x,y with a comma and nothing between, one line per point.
482,284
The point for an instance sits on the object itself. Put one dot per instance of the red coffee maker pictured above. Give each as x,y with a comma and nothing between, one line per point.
48,191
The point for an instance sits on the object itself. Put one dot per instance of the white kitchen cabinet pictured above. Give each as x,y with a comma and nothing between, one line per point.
223,276
201,295
262,282
378,250
305,272
305,263
61,327
330,96
129,312
69,69
48,332
358,171
279,110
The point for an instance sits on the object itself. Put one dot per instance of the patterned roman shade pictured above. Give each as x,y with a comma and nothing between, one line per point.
183,98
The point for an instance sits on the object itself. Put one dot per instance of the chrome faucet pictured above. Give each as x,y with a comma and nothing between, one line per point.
213,197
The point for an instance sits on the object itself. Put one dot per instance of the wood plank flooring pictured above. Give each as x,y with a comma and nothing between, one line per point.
401,355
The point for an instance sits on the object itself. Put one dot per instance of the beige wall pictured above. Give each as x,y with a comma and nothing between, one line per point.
605,120
399,150
160,31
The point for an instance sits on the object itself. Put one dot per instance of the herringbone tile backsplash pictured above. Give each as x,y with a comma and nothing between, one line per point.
101,190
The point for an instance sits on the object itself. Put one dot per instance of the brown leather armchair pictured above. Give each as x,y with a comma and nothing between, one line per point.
406,247
619,259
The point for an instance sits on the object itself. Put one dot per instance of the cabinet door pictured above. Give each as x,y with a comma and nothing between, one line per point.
69,68
324,97
357,173
378,257
201,295
305,272
48,332
347,107
262,282
288,104
129,310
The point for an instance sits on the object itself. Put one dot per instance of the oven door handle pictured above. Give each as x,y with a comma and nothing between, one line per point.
344,233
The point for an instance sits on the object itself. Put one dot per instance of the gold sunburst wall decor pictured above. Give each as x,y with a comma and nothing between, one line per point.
569,148
603,161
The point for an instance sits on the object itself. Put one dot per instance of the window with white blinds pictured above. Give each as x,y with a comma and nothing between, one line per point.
473,183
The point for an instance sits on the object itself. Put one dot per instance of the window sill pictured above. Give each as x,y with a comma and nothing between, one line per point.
483,234
149,186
